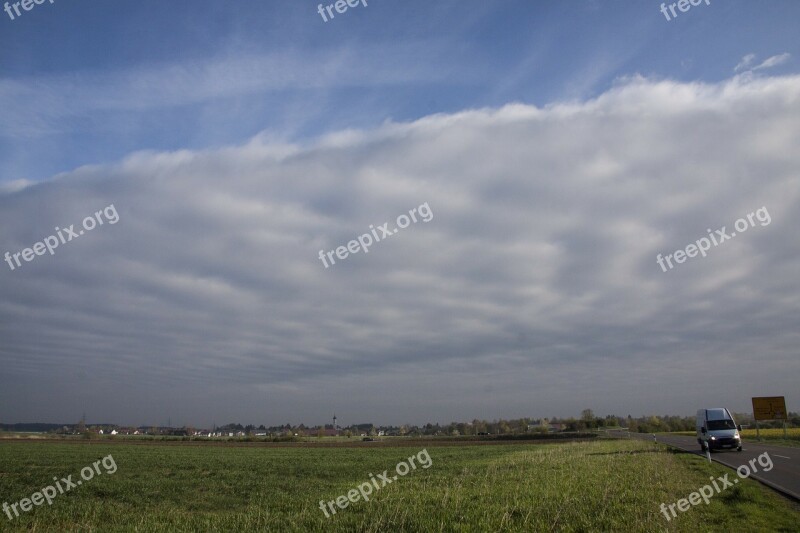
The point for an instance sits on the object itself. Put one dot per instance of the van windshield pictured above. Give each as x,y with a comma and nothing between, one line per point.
720,424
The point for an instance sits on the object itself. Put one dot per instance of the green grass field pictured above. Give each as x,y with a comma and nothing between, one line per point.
590,486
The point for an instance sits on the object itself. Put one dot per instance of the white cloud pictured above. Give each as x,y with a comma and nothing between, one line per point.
745,62
15,185
537,273
774,61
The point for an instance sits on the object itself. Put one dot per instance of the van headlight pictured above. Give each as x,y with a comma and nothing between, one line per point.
713,438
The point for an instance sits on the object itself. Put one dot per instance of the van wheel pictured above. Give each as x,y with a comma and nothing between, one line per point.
739,449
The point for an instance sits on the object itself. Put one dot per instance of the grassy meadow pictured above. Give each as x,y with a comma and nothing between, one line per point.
774,436
606,485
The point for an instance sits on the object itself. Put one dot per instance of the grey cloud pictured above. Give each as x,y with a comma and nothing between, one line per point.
533,291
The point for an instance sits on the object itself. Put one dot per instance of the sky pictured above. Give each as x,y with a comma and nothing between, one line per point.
547,156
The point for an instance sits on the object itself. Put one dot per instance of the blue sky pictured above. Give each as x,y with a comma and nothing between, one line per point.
561,147
89,82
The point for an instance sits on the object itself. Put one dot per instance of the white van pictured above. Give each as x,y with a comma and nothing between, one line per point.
716,430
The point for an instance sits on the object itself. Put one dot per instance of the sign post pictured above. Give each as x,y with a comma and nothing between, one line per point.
769,408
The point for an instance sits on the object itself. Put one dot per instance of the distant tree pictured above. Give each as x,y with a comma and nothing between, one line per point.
574,425
348,433
587,415
543,426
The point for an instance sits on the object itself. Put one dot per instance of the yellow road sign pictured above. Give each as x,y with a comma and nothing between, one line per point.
769,408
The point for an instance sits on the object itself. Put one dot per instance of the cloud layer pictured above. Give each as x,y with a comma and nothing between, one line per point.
534,290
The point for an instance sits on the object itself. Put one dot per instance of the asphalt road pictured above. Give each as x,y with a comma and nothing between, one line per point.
783,477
